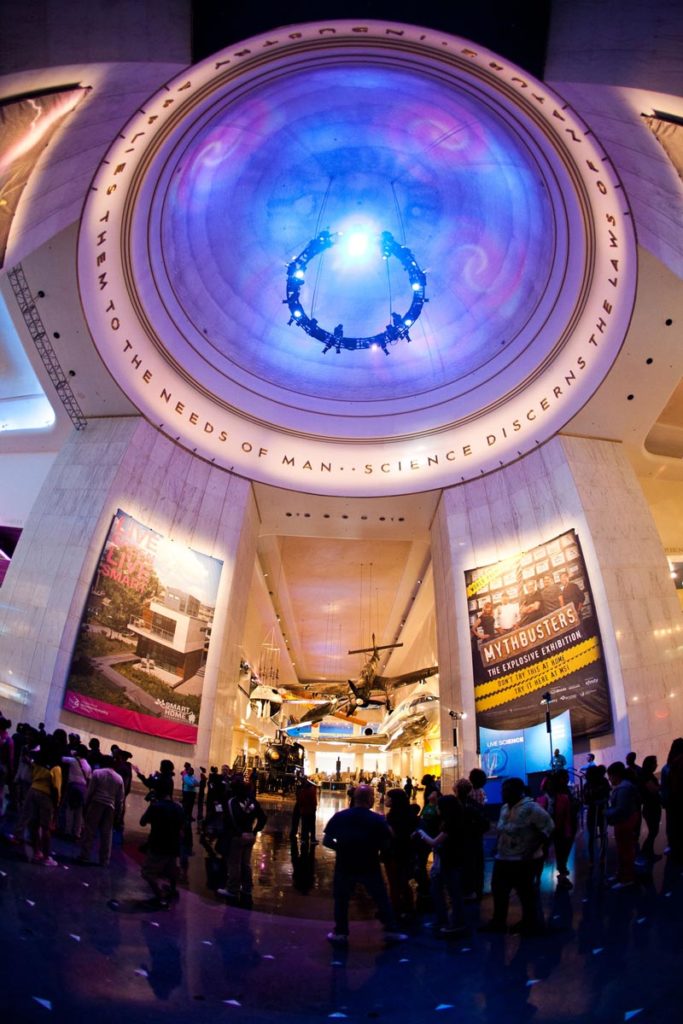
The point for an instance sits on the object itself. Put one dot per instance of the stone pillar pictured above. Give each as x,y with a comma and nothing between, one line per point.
124,463
589,486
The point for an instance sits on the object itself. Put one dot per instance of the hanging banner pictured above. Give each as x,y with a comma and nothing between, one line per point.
144,637
534,631
27,126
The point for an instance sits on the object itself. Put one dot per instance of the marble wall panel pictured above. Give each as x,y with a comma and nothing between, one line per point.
126,464
572,483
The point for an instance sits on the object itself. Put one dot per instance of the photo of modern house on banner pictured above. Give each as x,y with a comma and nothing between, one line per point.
144,637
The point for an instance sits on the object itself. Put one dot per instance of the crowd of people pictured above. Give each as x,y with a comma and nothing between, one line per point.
437,852
413,857
54,784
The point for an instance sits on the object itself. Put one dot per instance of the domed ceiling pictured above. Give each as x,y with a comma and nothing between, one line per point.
491,185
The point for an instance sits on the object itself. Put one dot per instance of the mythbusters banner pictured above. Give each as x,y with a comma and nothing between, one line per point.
144,636
533,630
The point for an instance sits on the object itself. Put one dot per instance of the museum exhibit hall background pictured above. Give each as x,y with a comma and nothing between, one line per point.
335,332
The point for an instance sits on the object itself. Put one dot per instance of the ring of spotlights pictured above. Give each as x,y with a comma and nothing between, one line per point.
400,324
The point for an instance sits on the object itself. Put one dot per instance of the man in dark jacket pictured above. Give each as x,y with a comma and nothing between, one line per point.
243,818
165,816
359,836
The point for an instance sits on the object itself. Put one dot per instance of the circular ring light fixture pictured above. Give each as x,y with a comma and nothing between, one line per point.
394,331
502,190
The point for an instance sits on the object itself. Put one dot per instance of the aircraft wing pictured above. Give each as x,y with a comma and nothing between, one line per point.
391,682
317,713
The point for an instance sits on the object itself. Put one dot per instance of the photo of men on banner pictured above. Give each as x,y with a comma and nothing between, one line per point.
533,629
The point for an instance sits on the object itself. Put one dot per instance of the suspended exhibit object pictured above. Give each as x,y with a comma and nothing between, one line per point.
399,324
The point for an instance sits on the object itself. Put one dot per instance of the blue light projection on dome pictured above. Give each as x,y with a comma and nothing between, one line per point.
217,185
356,150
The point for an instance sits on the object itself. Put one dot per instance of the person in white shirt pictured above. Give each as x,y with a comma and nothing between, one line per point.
506,614
103,804
79,772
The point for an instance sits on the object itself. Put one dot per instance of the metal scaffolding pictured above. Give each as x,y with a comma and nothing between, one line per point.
36,328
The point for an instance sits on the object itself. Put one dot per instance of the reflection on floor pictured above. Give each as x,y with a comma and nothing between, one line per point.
76,944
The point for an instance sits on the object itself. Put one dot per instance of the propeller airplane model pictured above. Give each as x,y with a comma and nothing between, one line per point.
369,690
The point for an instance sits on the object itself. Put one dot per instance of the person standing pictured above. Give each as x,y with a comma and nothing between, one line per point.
79,775
244,817
446,873
551,595
103,805
506,614
559,761
124,769
478,778
672,798
399,857
523,829
565,815
476,825
7,762
429,823
596,792
359,836
166,771
305,807
201,794
166,818
652,805
190,785
571,593
39,810
623,814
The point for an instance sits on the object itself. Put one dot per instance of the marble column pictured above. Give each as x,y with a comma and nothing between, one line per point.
124,463
589,486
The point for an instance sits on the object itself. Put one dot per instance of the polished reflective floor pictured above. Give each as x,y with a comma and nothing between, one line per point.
77,943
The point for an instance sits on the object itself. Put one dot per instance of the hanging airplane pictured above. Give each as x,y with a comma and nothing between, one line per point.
369,690
266,702
415,717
